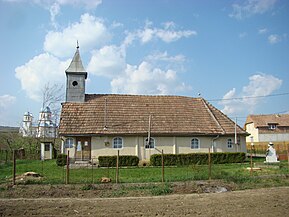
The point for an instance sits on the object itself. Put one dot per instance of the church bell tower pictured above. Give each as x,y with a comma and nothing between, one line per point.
75,79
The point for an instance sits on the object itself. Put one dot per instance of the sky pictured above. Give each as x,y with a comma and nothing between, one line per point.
233,53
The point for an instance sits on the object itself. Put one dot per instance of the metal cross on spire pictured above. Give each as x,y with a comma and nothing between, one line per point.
77,45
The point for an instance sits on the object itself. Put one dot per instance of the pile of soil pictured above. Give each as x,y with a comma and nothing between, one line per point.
112,190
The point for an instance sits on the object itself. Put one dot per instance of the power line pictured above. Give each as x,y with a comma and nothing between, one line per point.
249,97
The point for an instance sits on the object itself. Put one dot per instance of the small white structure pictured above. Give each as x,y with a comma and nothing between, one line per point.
271,156
46,150
45,129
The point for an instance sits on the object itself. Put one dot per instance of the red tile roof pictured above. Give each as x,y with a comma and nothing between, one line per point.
129,115
264,120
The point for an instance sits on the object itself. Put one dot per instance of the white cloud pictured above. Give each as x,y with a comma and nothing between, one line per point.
243,35
251,7
259,85
90,32
146,79
167,34
163,56
45,3
6,100
108,61
274,38
43,68
263,31
54,6
54,11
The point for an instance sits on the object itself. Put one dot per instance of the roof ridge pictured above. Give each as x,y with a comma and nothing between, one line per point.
212,114
142,95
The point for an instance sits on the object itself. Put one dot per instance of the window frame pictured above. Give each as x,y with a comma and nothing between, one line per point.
193,145
272,126
230,143
69,145
46,146
119,139
149,146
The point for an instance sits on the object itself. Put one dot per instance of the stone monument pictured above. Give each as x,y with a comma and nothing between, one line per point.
271,156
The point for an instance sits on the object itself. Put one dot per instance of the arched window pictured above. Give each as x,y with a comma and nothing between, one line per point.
150,144
117,142
230,143
69,143
195,144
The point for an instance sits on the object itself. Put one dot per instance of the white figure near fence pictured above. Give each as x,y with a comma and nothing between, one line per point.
271,156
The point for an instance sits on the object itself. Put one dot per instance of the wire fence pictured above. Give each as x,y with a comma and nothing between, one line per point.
19,171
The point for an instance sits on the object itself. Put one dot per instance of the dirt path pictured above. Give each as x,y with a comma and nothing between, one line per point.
258,202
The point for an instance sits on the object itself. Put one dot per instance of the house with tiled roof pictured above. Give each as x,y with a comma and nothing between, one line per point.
93,125
268,128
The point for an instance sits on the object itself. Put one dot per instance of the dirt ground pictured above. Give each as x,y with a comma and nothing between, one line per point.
257,202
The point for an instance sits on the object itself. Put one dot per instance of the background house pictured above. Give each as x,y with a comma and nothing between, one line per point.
93,125
264,129
268,128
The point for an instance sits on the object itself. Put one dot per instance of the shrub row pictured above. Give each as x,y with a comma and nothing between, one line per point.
124,160
197,158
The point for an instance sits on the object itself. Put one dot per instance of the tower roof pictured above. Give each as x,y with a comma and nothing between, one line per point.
76,66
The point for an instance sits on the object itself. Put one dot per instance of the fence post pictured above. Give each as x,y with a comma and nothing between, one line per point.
251,161
6,158
163,167
14,168
288,154
92,170
116,171
67,168
210,164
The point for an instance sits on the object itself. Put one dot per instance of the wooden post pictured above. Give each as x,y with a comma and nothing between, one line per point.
251,161
163,167
288,154
116,171
14,168
210,164
92,170
67,168
6,156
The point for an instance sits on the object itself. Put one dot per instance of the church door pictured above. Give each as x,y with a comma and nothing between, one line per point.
83,148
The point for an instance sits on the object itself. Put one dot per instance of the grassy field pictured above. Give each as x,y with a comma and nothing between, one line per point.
52,174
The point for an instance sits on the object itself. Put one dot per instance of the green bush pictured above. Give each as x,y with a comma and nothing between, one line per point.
61,160
124,160
196,158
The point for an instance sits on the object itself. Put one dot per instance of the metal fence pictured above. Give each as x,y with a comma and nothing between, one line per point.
47,172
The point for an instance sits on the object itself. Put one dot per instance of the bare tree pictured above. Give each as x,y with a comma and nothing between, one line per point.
52,96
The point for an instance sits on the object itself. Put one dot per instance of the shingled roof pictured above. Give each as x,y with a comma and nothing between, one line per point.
264,120
112,114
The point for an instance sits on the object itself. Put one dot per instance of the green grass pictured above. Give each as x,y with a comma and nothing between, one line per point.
53,174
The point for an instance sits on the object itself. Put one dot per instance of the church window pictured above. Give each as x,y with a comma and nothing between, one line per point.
230,143
69,142
150,144
195,143
117,143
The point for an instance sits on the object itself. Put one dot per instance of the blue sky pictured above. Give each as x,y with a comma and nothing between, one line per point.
227,49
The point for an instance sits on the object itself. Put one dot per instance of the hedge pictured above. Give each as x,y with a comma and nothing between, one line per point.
124,160
61,159
197,158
